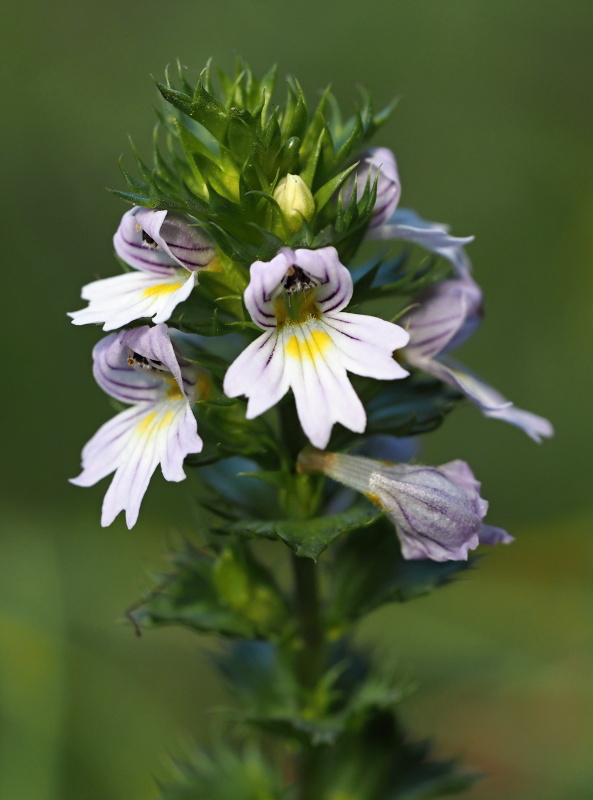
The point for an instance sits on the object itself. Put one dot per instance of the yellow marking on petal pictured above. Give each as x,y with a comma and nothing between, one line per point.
310,348
374,499
166,420
161,288
144,424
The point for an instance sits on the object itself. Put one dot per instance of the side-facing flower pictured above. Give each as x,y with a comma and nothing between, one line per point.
408,226
377,163
310,343
166,250
441,319
437,511
141,367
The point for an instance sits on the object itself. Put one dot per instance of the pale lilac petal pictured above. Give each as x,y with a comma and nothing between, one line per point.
491,402
114,375
181,440
322,267
491,535
443,317
437,511
104,452
154,343
179,237
407,225
264,286
433,517
366,344
119,300
334,279
135,470
155,241
259,374
162,436
310,345
131,247
535,427
460,473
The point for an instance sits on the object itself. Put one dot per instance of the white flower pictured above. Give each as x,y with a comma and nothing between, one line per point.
166,250
310,343
141,367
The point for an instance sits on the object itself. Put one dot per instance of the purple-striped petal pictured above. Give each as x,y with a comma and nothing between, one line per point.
491,402
158,241
437,511
117,378
442,317
179,237
407,225
259,374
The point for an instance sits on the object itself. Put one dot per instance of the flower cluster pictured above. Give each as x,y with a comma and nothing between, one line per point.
250,239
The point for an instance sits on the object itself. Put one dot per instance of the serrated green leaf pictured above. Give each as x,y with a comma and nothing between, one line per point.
307,538
387,577
228,592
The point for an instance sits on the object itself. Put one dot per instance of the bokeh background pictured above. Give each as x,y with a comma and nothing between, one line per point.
493,134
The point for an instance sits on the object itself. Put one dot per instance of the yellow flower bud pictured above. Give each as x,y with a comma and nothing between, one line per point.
296,202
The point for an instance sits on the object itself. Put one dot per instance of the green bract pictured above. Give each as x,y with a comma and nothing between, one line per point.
220,155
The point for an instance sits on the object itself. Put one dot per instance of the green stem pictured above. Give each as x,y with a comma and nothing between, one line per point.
311,660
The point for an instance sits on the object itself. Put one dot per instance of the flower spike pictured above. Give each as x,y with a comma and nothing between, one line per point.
166,251
310,343
141,367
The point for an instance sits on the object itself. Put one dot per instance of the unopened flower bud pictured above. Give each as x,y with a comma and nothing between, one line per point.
437,511
296,203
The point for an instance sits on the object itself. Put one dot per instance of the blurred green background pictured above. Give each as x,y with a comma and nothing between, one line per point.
493,135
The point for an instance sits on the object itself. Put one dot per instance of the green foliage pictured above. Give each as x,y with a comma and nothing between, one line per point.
225,152
378,761
225,774
407,408
225,591
272,699
387,577
307,538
